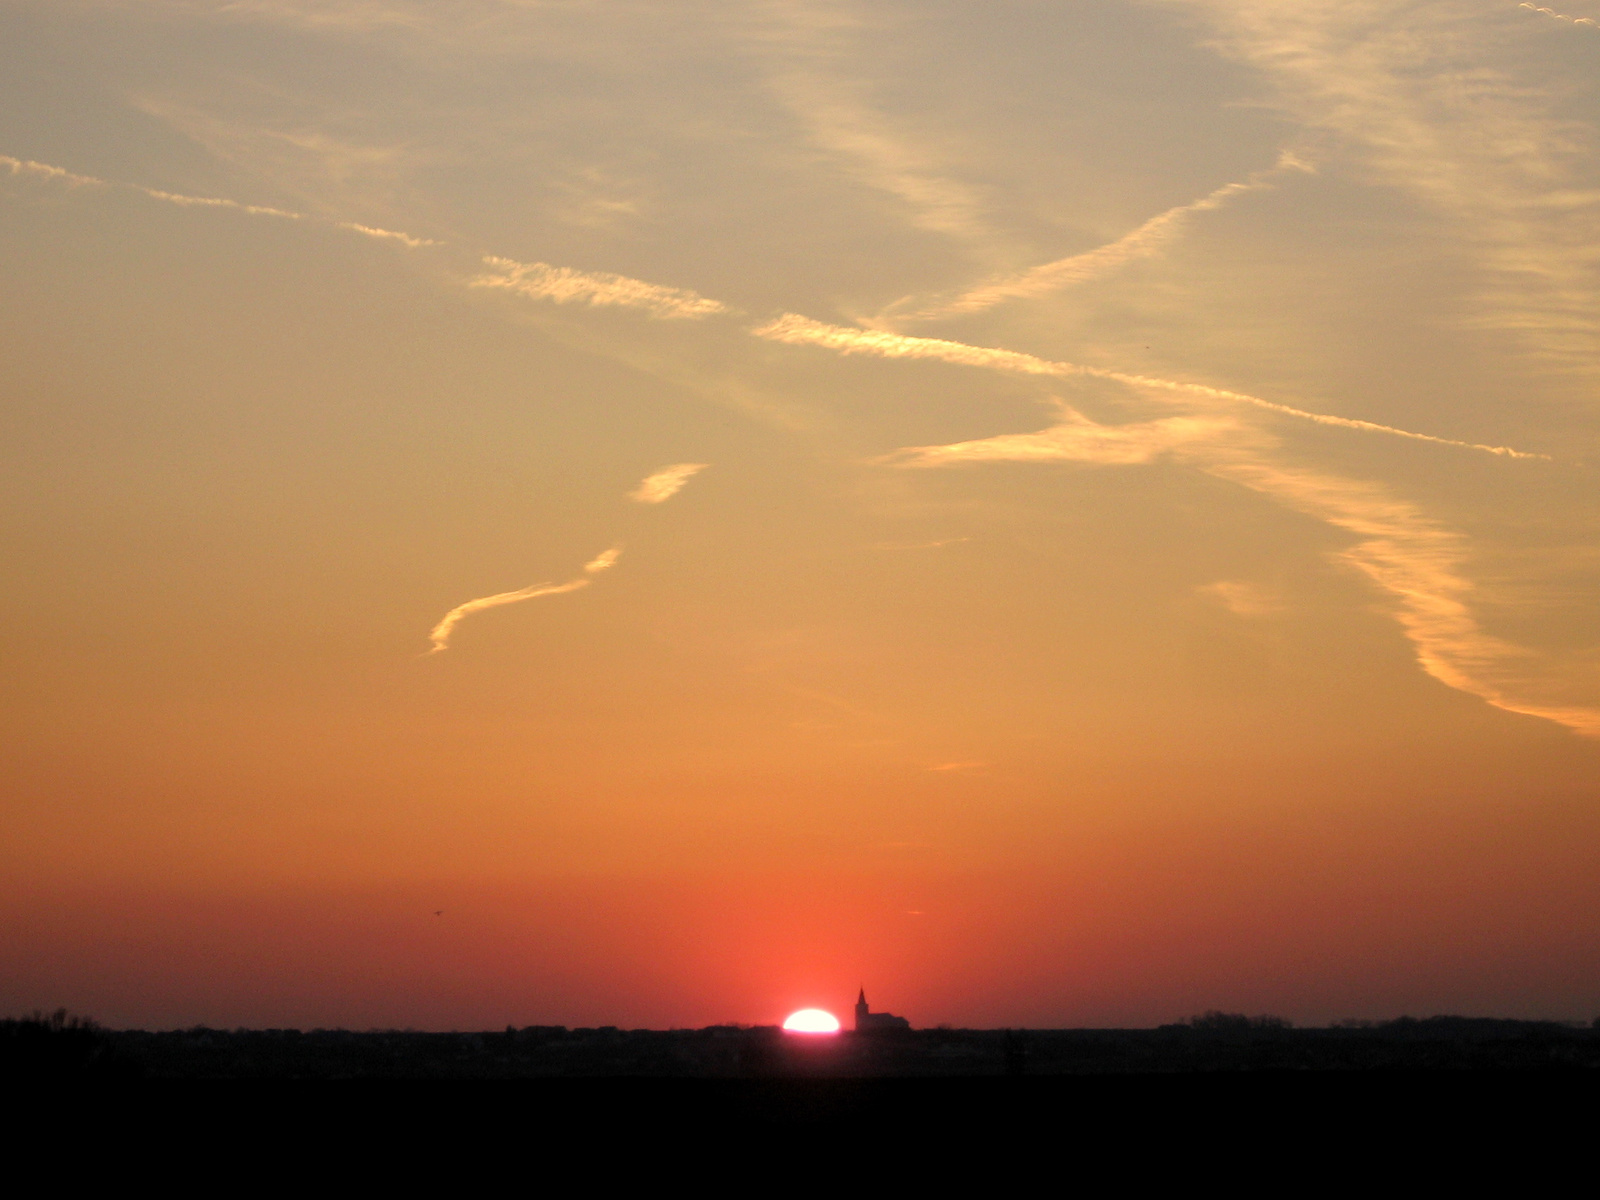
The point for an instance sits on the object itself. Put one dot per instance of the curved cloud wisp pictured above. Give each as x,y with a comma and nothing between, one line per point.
440,636
1414,560
655,489
666,483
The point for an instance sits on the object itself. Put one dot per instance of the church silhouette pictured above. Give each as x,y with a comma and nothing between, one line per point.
868,1021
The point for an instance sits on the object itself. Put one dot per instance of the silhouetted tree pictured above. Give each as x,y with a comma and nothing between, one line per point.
56,1045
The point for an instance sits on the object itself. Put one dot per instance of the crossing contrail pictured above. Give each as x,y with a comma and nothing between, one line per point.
797,330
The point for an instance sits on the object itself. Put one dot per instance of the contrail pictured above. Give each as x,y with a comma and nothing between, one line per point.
666,483
19,166
1142,242
440,637
794,329
403,238
254,210
598,289
1550,12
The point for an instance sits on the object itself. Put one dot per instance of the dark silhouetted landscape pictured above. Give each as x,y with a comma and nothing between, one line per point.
61,1046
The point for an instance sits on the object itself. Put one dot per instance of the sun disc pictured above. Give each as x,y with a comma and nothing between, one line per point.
811,1020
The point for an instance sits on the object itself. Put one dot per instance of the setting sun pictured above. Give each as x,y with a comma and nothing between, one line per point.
811,1020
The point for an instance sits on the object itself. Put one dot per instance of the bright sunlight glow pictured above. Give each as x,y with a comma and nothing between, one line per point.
811,1020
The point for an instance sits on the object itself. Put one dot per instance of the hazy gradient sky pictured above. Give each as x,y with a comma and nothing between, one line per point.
1069,512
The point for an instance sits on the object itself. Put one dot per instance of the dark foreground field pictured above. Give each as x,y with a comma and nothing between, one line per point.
1405,1103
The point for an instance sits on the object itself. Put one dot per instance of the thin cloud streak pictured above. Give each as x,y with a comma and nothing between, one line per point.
19,166
1550,12
1144,242
600,289
373,232
666,483
183,201
1075,438
1414,560
793,329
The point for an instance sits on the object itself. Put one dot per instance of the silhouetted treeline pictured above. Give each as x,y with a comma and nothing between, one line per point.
66,1047
60,1046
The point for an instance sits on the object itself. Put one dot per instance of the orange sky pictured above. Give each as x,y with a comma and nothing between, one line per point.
1122,539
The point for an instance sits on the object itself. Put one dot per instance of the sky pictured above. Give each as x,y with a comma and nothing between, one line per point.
617,512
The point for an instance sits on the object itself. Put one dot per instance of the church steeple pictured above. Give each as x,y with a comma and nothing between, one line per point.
869,1021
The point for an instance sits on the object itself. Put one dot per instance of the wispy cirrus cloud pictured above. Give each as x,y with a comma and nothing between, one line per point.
666,483
440,635
1417,562
599,289
841,123
1242,597
1144,242
819,57
603,561
797,330
1434,98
